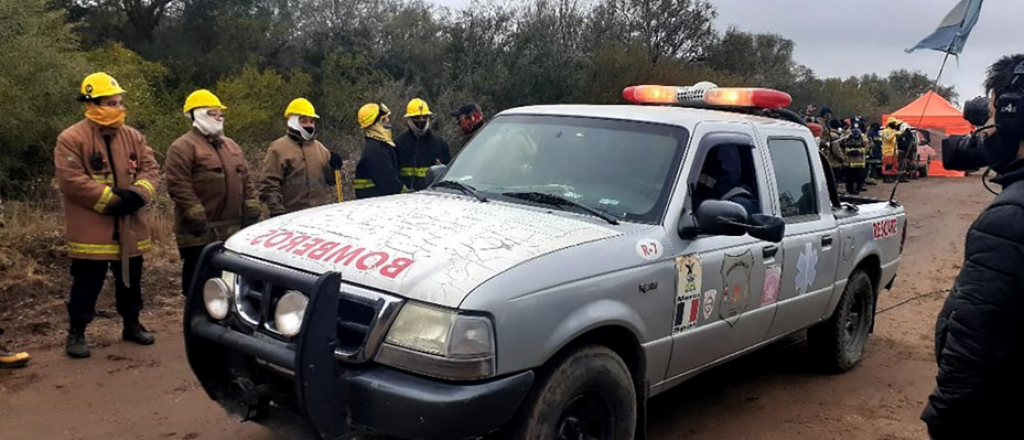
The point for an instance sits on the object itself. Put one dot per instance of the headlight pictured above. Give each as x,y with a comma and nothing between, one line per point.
217,298
440,343
290,310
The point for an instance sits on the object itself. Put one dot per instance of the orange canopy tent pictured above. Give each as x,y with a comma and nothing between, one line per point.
933,112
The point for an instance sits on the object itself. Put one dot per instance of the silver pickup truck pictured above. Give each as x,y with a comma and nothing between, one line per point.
572,262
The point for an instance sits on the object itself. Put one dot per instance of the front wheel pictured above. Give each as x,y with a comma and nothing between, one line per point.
838,343
588,395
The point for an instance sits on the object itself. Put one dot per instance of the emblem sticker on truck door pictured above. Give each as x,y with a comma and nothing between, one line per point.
807,269
772,279
688,298
736,285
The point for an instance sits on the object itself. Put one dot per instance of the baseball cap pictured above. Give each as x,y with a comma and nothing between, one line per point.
466,109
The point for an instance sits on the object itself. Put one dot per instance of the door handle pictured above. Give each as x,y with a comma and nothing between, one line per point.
769,252
826,241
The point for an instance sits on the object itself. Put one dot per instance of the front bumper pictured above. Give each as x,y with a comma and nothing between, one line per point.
261,377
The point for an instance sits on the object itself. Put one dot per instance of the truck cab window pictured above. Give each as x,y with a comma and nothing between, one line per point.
798,194
728,173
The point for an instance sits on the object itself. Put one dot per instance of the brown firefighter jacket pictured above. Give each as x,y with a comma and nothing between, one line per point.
89,161
296,175
209,181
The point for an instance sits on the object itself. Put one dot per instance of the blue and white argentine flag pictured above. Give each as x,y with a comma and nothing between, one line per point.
952,33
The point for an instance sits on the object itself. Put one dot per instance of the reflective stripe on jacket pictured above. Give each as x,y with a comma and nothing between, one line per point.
88,162
416,154
377,171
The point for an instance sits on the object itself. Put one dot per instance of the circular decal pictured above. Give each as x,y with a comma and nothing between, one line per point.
649,249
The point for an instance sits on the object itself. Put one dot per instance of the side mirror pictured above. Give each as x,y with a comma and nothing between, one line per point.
717,217
767,228
434,173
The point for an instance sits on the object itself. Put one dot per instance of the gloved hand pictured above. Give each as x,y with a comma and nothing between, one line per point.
197,227
249,220
335,161
127,204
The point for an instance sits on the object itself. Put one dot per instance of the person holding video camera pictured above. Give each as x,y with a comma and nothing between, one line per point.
979,334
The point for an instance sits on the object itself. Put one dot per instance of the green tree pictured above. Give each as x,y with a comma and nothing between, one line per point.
256,100
40,73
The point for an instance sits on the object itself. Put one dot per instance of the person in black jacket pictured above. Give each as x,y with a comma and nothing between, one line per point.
377,171
419,147
979,334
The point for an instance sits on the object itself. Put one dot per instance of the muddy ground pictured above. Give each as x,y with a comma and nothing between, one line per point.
131,392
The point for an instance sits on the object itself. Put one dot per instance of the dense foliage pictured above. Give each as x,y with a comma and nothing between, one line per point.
259,54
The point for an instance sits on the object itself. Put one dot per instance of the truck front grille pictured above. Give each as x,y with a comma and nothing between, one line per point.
363,316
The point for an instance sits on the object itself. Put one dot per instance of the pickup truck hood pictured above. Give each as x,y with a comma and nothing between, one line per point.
429,247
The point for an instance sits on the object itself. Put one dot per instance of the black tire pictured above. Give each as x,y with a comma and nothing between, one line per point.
838,343
587,394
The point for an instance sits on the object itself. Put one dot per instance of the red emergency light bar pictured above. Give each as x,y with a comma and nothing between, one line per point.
707,96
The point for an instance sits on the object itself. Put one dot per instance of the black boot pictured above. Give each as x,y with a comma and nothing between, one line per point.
76,346
138,334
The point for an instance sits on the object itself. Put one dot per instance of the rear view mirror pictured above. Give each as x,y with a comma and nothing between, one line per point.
716,217
434,173
767,227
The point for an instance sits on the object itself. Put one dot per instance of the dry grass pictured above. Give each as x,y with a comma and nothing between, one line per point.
34,278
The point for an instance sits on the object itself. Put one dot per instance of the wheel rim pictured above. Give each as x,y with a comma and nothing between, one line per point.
588,416
857,320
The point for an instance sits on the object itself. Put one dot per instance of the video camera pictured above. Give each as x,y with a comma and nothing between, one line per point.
997,150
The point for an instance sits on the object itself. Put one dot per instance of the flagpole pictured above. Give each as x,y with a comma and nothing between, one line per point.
924,111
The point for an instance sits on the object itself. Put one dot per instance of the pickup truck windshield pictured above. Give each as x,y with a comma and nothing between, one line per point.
622,168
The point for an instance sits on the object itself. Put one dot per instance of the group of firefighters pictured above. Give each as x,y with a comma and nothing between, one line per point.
108,177
859,153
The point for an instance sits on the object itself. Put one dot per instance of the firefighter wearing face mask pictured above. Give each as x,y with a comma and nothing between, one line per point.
298,171
377,171
419,147
107,175
210,182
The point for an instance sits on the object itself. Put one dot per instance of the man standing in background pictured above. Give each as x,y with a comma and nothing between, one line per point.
298,172
420,147
209,180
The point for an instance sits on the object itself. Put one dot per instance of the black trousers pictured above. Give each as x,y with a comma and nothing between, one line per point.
189,260
855,179
88,277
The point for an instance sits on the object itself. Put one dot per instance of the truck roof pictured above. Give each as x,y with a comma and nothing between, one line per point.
679,116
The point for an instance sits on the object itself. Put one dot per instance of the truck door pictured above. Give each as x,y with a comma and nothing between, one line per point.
720,279
810,247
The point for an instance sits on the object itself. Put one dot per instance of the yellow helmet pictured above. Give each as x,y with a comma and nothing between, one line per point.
417,107
202,98
99,85
301,107
371,113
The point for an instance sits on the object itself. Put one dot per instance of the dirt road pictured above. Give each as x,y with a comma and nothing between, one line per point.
129,392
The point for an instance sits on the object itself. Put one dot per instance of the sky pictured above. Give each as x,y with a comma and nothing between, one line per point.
840,39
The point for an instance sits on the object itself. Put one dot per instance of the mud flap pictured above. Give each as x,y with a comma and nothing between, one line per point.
318,374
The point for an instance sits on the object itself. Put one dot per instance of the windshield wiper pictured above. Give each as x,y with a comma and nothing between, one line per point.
556,200
466,189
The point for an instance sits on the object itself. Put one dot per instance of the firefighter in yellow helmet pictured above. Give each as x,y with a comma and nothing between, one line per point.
210,182
107,175
298,171
377,171
420,147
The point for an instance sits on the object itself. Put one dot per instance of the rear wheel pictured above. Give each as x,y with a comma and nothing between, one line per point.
588,395
838,343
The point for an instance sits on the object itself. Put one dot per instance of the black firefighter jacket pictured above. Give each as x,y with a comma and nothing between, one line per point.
979,335
416,154
377,171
